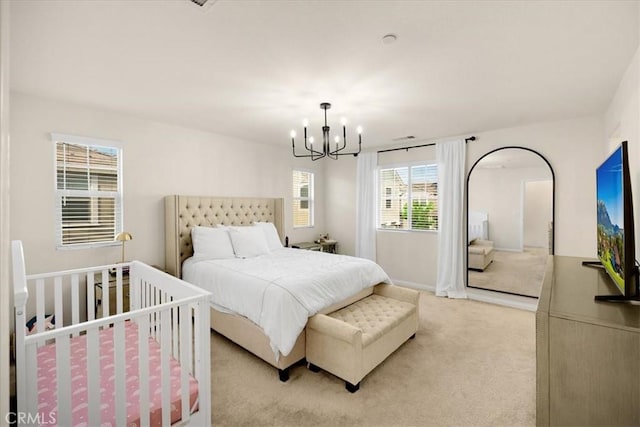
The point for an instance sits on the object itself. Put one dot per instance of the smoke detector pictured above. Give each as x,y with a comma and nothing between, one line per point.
389,38
203,4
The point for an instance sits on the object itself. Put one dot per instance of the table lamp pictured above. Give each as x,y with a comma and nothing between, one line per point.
123,237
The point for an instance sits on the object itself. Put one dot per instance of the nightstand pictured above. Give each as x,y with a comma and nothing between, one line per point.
112,294
309,246
329,246
326,246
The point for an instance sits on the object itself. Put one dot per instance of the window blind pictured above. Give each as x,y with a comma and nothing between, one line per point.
408,197
88,193
302,198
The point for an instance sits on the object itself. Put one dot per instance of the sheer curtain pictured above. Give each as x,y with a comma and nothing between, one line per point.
451,171
366,205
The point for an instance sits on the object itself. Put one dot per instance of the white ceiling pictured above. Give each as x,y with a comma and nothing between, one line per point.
255,69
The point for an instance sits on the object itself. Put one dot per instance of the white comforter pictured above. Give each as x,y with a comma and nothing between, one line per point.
280,290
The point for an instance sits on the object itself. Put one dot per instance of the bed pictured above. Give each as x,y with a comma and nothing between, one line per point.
147,366
183,213
478,226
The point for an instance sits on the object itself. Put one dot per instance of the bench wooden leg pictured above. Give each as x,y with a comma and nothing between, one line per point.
314,368
283,374
350,387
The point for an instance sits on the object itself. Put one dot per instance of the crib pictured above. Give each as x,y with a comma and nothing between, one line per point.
148,366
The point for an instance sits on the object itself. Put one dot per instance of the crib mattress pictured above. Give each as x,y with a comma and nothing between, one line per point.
79,404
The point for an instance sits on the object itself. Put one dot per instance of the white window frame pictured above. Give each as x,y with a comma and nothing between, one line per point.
310,199
381,195
60,193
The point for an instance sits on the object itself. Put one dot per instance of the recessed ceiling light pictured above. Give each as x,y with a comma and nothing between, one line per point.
389,38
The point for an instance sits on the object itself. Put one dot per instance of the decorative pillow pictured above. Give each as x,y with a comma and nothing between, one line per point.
211,242
271,234
248,242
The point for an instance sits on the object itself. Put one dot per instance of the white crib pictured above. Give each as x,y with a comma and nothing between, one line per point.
147,366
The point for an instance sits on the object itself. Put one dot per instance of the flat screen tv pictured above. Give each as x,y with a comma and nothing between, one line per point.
615,235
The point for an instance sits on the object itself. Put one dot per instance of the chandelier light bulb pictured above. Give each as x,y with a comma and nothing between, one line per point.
293,134
359,130
305,123
343,121
311,140
336,139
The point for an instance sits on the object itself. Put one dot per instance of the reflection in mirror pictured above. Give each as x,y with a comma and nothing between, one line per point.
510,221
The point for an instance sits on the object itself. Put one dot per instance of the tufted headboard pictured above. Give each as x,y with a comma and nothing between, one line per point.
184,212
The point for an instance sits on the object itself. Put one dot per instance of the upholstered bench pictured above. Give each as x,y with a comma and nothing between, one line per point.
352,341
480,254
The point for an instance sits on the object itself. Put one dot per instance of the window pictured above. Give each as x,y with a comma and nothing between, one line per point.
387,203
302,198
88,191
410,197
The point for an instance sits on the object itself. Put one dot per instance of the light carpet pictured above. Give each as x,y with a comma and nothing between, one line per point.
471,364
519,273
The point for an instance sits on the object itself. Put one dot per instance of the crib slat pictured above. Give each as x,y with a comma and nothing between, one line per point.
105,293
165,346
134,293
185,361
40,305
63,378
93,376
119,291
58,301
91,297
157,301
120,373
197,344
174,329
31,380
202,357
75,300
193,340
143,369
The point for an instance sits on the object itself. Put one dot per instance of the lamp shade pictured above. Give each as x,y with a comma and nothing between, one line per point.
124,236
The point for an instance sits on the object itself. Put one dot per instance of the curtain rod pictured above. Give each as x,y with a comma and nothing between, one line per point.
471,138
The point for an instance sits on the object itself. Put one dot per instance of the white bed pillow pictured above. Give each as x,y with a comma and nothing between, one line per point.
271,234
211,242
248,242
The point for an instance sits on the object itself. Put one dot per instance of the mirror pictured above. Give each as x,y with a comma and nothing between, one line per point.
510,214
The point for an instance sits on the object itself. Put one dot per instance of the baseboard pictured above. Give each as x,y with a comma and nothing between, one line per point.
414,285
498,298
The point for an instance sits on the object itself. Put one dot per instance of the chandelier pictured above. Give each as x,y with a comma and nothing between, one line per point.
314,151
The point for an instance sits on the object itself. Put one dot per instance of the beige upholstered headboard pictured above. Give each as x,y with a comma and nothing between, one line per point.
184,212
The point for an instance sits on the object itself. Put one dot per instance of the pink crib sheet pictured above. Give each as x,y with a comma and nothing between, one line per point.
79,404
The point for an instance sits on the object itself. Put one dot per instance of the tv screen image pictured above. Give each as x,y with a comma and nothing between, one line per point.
610,214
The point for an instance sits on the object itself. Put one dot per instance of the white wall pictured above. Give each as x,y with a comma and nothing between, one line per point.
538,205
159,159
622,123
499,193
574,149
6,308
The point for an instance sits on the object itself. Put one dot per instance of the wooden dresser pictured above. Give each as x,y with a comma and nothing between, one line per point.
587,352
